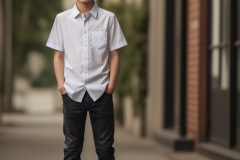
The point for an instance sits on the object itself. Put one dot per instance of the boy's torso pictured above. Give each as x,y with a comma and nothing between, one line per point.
85,43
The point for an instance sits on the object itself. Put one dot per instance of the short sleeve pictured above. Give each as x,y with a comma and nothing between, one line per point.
55,39
116,38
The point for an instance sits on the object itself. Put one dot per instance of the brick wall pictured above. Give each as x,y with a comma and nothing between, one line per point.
196,69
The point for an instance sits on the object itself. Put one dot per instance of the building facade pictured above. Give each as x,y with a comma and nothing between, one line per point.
194,76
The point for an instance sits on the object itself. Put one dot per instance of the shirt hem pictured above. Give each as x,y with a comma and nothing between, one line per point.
90,92
100,95
102,92
82,95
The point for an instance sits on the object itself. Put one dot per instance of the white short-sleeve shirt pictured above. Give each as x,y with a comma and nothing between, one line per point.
86,43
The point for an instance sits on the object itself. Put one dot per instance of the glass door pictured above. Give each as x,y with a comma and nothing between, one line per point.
237,45
219,131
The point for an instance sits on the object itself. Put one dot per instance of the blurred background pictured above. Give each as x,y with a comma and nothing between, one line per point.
177,95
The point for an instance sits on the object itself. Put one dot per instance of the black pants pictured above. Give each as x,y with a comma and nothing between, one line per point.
102,120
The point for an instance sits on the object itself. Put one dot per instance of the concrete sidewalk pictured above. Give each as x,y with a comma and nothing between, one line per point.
38,137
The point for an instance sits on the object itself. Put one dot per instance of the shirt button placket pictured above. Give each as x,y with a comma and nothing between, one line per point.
85,43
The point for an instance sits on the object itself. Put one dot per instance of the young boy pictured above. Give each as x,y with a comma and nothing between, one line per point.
86,39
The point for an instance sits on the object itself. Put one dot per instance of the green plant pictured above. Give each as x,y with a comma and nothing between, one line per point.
132,78
32,23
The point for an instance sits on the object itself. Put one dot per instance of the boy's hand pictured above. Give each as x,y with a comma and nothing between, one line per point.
62,90
110,89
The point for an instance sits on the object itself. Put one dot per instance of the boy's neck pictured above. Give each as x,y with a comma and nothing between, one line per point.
84,8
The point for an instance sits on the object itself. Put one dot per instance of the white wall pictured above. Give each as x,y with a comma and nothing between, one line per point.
154,109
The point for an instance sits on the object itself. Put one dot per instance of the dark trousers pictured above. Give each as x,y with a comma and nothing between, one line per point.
102,120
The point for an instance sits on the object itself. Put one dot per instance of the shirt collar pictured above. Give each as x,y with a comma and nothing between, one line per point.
93,11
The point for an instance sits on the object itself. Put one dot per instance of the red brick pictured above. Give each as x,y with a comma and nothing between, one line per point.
196,69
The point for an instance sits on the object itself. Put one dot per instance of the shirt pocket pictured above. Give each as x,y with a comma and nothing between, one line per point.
99,39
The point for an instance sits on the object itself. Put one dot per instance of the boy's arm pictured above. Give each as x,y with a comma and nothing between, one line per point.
114,68
59,70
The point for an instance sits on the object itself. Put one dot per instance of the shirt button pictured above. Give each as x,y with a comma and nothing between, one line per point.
85,72
86,58
85,45
85,32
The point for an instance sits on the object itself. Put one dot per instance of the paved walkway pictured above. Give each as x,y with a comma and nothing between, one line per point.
28,137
